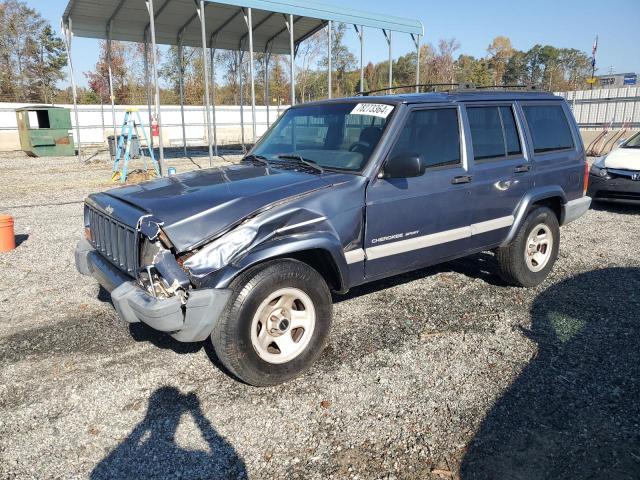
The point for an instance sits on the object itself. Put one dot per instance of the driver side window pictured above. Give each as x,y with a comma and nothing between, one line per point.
432,134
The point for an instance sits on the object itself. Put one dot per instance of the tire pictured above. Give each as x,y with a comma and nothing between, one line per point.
242,336
527,268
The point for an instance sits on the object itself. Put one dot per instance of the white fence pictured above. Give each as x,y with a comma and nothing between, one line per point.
593,109
615,107
96,123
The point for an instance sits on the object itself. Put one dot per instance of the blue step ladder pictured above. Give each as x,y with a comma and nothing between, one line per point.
132,124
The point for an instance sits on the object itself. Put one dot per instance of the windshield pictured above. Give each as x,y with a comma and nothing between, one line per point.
334,135
633,142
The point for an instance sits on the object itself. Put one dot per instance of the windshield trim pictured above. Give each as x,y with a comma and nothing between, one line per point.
343,101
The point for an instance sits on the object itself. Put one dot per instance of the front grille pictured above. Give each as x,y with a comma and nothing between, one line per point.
114,240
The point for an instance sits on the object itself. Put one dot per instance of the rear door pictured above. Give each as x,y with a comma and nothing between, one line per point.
502,173
556,146
412,222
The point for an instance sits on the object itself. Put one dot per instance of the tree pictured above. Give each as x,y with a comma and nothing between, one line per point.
46,69
31,55
343,61
98,79
500,52
516,70
439,66
472,70
309,53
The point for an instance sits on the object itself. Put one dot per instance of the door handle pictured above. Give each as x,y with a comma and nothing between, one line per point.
461,179
522,168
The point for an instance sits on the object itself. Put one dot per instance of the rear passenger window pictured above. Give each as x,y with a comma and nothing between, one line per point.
432,134
493,132
549,128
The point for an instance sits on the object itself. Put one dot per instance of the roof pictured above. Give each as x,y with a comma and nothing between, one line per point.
39,107
224,21
445,97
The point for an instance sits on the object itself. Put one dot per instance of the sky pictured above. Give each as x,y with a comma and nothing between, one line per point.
563,24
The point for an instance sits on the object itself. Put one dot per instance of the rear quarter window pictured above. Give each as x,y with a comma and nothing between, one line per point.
549,128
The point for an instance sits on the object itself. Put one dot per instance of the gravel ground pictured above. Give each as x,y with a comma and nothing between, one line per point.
441,373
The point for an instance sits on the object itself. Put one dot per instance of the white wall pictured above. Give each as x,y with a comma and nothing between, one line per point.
96,123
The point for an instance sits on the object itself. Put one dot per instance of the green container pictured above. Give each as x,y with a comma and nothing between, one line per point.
45,131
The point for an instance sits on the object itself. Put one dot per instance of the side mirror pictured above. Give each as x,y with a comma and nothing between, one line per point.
404,166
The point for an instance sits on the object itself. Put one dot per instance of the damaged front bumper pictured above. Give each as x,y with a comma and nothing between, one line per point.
192,321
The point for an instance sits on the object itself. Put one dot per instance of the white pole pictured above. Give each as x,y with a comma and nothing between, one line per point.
205,74
267,100
388,35
68,35
147,84
154,71
212,50
181,87
330,55
111,95
416,39
249,20
240,56
293,62
362,58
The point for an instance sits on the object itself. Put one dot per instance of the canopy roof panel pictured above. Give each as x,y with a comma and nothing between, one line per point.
226,28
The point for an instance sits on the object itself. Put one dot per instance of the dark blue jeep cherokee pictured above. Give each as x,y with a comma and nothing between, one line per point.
336,194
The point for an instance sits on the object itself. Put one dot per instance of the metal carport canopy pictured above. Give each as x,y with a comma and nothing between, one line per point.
224,21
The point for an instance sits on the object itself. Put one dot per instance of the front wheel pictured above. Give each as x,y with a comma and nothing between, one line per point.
530,256
276,323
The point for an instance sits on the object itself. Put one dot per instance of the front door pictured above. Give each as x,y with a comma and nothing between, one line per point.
413,222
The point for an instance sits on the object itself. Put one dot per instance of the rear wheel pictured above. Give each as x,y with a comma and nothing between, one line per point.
530,256
276,323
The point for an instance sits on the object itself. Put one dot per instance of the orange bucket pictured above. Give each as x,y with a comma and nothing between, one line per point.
7,238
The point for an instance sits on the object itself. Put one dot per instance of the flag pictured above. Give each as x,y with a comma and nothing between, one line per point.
593,53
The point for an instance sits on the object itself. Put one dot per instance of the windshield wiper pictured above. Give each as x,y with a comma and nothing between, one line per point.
303,161
261,159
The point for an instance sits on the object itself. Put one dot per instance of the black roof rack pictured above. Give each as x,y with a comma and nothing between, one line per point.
457,86
503,87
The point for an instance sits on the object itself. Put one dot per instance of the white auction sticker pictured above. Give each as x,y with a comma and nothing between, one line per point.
374,109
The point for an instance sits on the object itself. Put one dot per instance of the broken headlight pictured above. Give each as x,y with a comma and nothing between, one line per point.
221,251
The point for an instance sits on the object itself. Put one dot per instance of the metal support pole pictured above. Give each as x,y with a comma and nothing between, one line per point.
67,33
111,95
181,87
249,21
147,86
267,100
212,51
154,71
387,35
361,35
240,56
416,41
293,62
330,57
205,74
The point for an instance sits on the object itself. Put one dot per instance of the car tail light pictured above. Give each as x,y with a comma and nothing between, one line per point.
586,178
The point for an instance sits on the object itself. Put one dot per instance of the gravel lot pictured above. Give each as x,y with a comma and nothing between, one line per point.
441,373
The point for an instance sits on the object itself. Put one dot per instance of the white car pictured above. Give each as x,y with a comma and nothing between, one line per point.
616,176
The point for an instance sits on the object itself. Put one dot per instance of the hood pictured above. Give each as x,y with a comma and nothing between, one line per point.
622,158
196,206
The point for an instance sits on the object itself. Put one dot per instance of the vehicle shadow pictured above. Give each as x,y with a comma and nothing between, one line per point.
150,450
616,207
481,265
573,412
